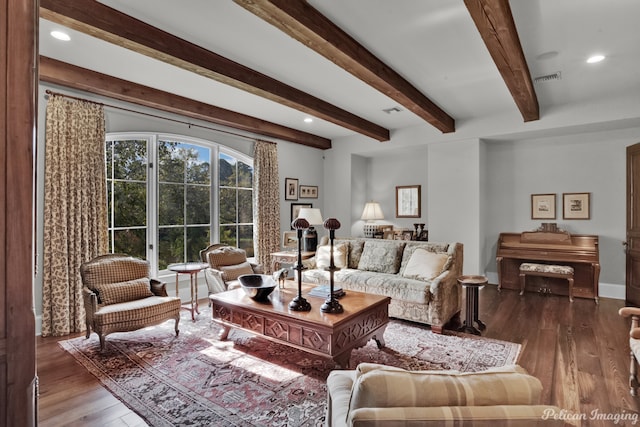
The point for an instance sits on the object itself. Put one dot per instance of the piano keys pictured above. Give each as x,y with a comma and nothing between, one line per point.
559,247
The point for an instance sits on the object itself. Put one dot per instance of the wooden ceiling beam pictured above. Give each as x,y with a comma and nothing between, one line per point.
71,76
306,24
103,22
497,28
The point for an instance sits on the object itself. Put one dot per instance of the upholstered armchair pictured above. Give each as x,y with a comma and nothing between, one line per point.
119,296
634,345
226,264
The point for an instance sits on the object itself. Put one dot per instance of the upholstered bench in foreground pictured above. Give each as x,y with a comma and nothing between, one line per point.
375,395
546,270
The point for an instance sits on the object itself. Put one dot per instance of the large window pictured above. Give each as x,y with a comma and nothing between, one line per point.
168,200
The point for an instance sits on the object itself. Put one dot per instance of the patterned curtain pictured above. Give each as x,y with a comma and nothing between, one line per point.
266,202
75,209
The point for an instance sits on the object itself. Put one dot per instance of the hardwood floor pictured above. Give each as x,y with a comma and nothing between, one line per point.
578,350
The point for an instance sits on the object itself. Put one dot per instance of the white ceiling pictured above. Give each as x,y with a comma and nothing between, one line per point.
434,44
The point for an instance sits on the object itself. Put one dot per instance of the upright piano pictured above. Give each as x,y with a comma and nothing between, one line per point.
559,247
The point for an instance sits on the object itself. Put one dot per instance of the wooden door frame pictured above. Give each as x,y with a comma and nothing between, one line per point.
18,121
632,236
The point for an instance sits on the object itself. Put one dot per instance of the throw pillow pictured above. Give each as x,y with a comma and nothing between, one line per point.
232,272
339,255
381,256
394,388
425,265
226,255
114,293
427,246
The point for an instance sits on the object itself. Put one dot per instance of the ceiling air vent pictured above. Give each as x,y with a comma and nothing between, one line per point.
549,77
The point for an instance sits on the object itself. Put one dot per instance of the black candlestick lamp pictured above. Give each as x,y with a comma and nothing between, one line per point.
331,305
299,303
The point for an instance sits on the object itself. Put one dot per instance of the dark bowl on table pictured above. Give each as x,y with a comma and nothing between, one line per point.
257,286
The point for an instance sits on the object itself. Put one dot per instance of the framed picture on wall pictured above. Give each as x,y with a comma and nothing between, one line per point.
543,206
408,201
308,191
290,189
295,209
576,205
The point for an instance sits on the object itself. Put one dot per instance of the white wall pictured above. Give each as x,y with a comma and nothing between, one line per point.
455,198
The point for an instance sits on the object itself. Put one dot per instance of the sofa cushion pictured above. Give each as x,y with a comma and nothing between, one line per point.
425,265
114,293
381,256
137,311
436,247
510,385
355,252
232,272
339,255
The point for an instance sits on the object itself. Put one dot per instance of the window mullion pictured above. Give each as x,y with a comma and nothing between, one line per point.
152,203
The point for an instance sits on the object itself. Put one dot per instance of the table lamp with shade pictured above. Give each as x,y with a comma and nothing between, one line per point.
371,213
310,236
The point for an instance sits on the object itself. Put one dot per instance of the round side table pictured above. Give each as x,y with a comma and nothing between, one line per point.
472,284
192,269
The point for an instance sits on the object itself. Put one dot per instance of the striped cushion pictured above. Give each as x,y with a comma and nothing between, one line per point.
135,311
232,272
113,293
400,388
226,255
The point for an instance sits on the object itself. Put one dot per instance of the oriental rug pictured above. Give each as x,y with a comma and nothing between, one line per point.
197,380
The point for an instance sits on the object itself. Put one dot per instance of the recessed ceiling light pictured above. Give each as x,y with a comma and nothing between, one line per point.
308,120
60,35
595,58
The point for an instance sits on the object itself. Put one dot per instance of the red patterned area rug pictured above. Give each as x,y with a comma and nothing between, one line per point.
196,380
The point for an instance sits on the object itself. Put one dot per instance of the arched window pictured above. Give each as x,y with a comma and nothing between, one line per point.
168,198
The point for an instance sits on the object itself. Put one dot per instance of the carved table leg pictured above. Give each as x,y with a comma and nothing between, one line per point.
224,333
342,360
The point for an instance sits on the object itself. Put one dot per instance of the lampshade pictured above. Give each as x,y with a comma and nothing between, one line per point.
372,211
312,215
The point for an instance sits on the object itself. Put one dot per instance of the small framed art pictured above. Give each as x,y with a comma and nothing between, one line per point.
295,209
408,201
543,206
576,205
290,189
308,191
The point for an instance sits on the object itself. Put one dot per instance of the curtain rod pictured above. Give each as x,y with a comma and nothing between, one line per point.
50,92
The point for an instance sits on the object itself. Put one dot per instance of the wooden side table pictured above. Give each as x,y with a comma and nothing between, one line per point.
287,257
472,284
192,269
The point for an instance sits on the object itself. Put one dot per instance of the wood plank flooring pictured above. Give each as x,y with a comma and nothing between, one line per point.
578,350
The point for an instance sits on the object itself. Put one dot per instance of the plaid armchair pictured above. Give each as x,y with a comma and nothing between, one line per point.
226,264
119,296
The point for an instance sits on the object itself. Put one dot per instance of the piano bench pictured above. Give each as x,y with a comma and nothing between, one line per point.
546,270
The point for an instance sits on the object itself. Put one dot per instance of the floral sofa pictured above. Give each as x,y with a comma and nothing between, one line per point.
419,277
375,395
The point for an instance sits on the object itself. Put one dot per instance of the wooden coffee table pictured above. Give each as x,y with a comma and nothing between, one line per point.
365,317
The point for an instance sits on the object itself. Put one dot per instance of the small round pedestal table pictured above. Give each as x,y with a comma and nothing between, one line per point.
192,269
472,284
